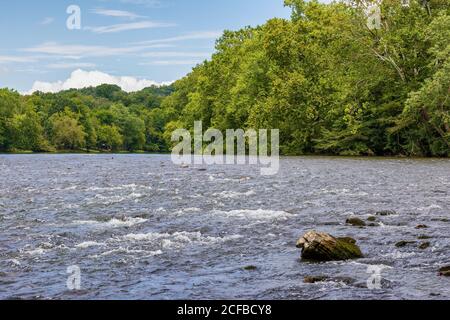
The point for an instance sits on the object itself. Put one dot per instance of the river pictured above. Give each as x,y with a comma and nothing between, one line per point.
140,227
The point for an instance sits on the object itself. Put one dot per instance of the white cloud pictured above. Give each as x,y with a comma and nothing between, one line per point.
147,3
190,36
70,65
129,26
81,51
116,13
175,54
171,62
83,79
47,21
16,59
31,70
77,50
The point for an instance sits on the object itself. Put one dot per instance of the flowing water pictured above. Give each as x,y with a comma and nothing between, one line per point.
140,227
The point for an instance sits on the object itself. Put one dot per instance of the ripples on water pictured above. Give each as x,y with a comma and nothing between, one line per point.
140,227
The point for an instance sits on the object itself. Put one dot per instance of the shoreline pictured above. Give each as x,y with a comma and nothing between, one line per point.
326,156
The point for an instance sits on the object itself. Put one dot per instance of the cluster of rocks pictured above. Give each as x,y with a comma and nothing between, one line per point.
422,246
322,247
358,222
372,221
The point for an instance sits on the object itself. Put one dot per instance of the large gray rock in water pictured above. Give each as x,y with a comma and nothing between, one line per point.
318,246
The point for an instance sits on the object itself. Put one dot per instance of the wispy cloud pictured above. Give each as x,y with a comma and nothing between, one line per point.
31,71
116,13
69,65
82,51
3,70
171,63
16,59
175,54
146,3
78,50
47,21
129,26
189,36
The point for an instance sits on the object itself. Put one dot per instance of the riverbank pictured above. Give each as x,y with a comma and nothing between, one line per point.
78,152
311,155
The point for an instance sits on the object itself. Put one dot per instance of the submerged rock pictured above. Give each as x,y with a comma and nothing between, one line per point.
402,244
386,213
317,246
424,237
316,279
424,245
435,294
440,219
445,271
372,219
329,223
250,268
356,222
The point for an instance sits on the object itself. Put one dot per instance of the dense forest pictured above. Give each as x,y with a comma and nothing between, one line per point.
104,118
329,82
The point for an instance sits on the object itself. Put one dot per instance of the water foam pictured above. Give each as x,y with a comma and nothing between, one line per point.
88,244
140,253
107,200
234,195
259,214
113,223
122,187
177,240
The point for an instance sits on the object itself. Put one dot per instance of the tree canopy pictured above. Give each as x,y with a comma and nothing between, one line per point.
328,81
104,118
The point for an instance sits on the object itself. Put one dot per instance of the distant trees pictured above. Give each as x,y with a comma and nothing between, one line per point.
66,131
135,129
20,124
327,81
104,118
109,138
9,106
25,132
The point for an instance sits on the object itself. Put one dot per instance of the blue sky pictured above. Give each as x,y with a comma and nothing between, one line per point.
128,42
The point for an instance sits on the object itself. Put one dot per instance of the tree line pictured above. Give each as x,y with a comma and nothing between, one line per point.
328,81
104,118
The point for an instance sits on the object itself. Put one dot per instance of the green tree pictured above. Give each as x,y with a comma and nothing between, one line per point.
425,123
10,104
109,138
67,132
26,132
134,140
